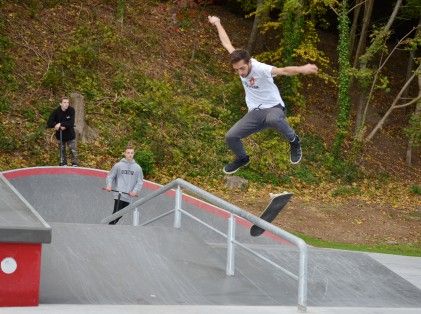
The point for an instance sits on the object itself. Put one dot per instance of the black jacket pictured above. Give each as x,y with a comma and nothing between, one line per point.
67,119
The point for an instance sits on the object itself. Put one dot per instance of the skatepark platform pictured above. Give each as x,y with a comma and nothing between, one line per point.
124,268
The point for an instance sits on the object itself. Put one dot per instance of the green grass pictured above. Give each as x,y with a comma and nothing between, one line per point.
398,249
416,189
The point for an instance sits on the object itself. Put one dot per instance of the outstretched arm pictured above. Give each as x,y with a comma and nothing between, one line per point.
293,70
214,20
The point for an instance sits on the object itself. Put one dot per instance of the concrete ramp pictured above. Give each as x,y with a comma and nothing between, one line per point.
19,222
75,195
336,278
88,263
101,264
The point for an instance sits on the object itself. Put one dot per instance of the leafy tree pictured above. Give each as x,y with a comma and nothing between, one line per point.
298,41
259,15
365,74
342,121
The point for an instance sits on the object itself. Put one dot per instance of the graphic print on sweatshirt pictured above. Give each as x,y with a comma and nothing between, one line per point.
130,172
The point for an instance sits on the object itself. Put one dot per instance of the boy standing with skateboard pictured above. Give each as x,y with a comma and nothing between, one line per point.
266,108
126,177
62,119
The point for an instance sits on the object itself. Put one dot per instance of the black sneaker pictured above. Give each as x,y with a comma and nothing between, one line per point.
295,150
62,165
236,164
75,165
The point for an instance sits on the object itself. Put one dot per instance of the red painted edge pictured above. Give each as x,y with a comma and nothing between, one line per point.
27,172
37,171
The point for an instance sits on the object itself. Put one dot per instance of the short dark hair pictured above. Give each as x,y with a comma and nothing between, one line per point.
64,97
238,55
129,146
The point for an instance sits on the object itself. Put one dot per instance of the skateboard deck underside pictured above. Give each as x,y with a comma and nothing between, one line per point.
271,211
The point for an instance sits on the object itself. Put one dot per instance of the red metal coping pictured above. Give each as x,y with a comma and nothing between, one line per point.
37,171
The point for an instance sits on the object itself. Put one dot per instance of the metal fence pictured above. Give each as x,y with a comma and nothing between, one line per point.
234,211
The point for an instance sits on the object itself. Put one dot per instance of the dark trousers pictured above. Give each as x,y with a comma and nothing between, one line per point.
118,206
73,150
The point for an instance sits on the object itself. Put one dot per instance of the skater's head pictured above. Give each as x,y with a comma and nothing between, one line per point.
64,104
240,61
129,153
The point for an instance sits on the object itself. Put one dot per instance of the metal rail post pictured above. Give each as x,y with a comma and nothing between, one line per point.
177,212
302,279
136,217
230,246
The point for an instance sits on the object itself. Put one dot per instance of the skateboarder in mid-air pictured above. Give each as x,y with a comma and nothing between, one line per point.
265,106
126,177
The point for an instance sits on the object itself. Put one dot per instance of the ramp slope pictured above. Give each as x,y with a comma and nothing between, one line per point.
101,264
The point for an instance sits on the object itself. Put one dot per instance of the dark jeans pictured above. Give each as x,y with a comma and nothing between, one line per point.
73,150
118,206
254,121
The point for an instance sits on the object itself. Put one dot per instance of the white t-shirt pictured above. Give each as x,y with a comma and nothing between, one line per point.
261,91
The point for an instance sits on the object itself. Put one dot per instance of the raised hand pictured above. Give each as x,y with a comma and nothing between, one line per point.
214,20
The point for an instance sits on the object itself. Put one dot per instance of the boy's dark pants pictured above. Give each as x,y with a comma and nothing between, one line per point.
73,149
118,206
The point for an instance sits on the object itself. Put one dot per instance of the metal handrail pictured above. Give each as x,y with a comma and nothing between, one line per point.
234,210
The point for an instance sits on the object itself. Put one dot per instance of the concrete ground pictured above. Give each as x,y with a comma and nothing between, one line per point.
196,309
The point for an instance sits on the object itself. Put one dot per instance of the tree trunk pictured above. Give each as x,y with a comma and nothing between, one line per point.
363,65
84,132
256,23
417,112
362,95
368,9
418,106
409,70
394,105
354,26
393,15
342,121
362,43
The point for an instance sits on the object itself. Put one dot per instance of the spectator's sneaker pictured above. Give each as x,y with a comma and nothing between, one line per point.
236,164
75,165
295,150
63,165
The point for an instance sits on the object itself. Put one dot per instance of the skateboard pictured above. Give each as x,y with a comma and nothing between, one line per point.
277,203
